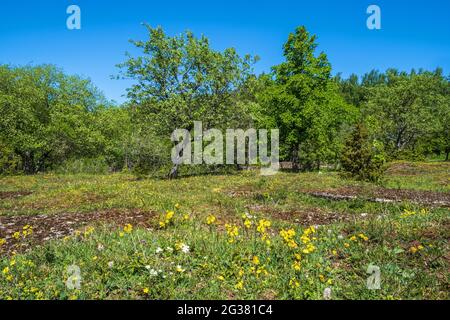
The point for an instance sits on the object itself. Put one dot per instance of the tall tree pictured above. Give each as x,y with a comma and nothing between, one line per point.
302,101
181,79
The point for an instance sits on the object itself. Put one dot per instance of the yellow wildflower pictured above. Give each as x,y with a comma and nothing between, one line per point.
145,290
210,219
128,228
255,260
239,285
294,283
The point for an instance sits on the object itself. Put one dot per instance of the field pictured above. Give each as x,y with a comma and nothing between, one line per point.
290,236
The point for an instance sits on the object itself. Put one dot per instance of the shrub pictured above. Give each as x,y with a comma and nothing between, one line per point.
361,158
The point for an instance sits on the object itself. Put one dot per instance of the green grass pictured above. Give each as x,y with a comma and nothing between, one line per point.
408,242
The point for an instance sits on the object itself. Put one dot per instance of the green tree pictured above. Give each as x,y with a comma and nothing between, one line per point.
180,80
362,158
404,110
303,102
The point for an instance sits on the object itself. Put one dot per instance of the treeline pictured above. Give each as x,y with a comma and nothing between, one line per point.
53,121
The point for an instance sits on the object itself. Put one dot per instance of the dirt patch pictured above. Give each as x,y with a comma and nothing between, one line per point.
306,217
441,199
13,194
55,226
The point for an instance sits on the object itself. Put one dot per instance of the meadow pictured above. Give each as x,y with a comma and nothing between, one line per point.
313,235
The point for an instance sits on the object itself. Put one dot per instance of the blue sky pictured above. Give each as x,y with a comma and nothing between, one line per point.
414,34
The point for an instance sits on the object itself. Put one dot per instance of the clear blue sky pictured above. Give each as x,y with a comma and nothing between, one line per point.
414,34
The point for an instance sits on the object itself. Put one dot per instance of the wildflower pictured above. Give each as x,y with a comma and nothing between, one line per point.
221,278
170,249
321,277
420,247
288,237
121,234
413,249
110,264
128,228
153,272
94,258
186,216
159,250
2,242
179,269
145,290
346,245
182,247
239,285
334,252
169,215
185,248
297,266
263,225
177,206
16,235
100,247
247,223
232,231
210,219
89,230
353,238
363,236
5,270
255,260
294,283
27,230
309,249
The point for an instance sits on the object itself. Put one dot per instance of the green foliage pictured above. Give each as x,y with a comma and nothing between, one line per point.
362,158
180,80
50,117
304,103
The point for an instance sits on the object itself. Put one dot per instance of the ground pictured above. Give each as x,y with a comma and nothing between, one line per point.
241,236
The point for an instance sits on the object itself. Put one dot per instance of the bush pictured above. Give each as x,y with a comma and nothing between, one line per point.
361,158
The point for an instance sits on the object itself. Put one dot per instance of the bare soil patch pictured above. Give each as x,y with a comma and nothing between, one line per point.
54,226
13,194
441,199
306,217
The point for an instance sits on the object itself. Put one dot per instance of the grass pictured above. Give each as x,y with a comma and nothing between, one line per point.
269,238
